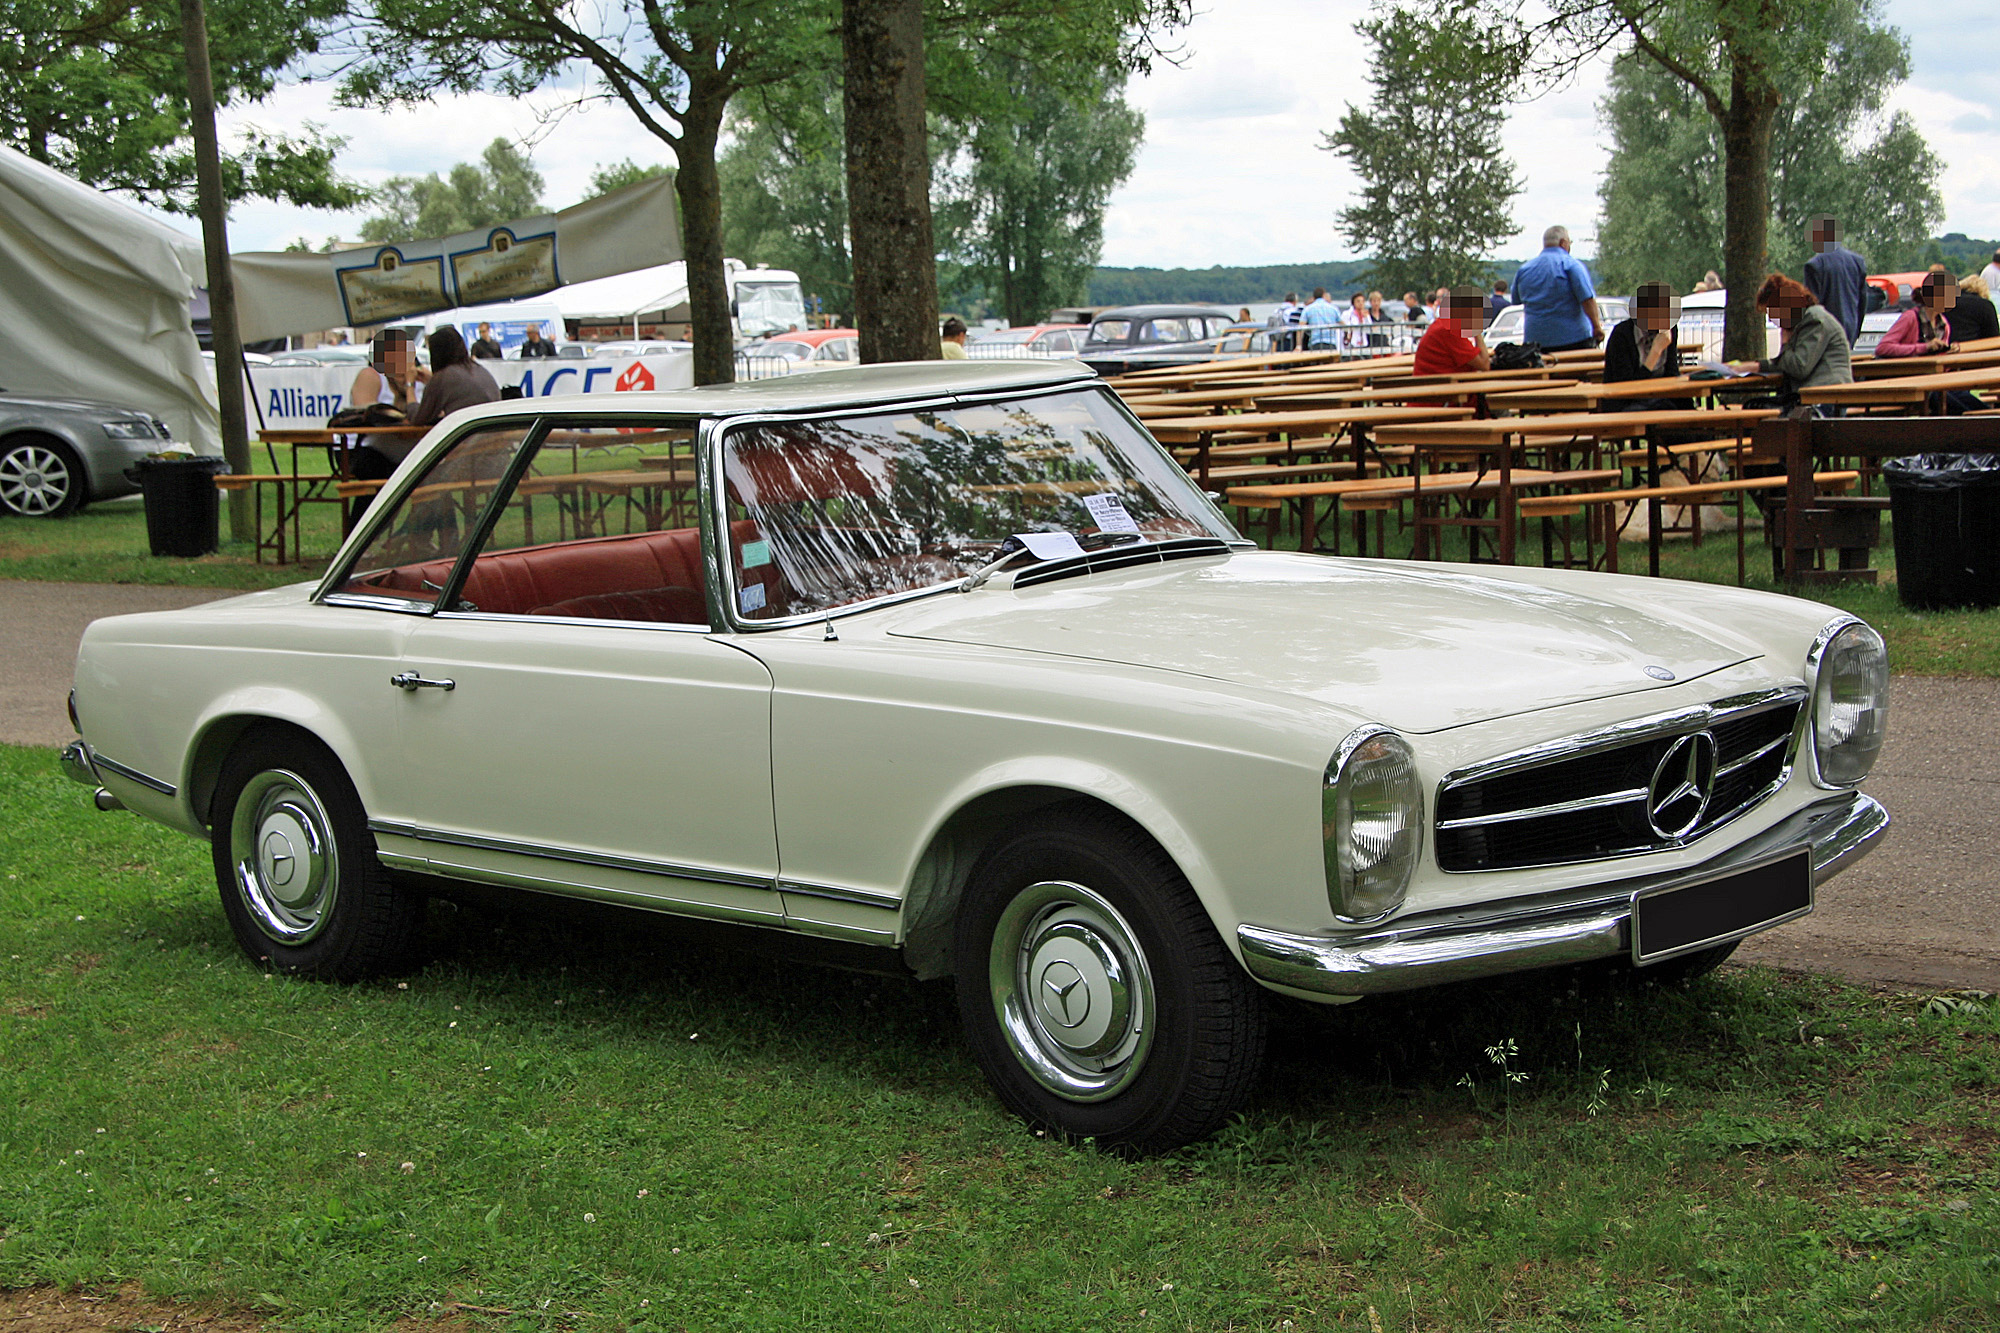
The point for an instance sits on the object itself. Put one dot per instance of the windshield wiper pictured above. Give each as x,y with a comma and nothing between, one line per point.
989,569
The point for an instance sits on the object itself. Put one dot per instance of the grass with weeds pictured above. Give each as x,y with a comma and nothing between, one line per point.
578,1127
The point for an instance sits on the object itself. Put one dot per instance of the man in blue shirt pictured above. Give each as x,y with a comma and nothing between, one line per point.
1561,303
1837,276
1320,318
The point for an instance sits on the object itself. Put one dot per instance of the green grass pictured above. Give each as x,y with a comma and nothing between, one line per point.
609,1128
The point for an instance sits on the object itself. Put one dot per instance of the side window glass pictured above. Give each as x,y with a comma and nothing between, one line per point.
410,556
601,527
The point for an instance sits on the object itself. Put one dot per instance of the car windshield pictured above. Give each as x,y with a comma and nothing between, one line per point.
859,507
1111,330
769,307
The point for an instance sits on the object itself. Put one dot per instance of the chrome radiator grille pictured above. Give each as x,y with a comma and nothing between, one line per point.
1620,797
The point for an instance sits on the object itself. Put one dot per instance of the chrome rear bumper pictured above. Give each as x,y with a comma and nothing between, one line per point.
1574,926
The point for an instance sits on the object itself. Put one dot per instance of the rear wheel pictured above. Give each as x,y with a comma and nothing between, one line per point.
1095,992
40,477
301,884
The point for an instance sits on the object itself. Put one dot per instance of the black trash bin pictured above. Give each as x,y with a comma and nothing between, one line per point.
1947,524
182,514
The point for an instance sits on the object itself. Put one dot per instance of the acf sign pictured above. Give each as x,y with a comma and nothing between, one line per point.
303,397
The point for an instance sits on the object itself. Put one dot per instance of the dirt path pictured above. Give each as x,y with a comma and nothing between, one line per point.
1922,912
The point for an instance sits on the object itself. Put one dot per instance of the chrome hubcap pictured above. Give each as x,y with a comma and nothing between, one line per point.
1072,991
33,480
281,843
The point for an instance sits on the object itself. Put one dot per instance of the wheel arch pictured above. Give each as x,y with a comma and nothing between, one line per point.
223,731
979,819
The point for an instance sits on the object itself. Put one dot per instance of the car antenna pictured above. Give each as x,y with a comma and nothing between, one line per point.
830,636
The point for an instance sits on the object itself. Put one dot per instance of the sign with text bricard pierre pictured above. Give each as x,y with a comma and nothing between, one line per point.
506,263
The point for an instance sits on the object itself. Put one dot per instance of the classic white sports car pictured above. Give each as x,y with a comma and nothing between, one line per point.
953,659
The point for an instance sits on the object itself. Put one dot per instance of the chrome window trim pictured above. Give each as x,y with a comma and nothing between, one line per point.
715,527
1695,717
373,602
99,761
513,618
574,856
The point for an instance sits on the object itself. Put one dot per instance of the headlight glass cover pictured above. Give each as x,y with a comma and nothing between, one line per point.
1372,809
128,430
1850,705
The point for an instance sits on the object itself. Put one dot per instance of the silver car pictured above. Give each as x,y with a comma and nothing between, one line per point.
57,454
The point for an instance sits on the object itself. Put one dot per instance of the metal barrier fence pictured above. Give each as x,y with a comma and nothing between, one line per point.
765,367
1381,338
1004,351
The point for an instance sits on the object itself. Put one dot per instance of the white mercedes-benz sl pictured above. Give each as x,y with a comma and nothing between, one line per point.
952,659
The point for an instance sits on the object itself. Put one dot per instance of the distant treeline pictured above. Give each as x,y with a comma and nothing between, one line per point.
1146,286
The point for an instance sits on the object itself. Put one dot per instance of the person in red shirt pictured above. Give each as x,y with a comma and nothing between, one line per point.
1445,349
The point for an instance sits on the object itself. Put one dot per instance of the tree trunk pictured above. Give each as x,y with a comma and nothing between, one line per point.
889,180
227,345
1746,211
699,189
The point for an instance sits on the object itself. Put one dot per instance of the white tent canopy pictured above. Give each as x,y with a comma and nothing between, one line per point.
660,291
94,298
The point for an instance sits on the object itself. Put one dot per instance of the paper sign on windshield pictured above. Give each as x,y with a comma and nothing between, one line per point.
1049,545
1109,513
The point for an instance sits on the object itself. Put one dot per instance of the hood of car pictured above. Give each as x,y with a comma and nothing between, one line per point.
45,403
1416,648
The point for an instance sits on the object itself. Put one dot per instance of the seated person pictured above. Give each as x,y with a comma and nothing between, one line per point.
1445,348
1923,329
1812,350
456,380
1972,316
392,377
1646,347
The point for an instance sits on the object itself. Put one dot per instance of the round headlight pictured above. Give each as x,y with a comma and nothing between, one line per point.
1850,705
1373,817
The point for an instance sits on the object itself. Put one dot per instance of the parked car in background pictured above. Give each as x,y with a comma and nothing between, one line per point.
811,349
1508,324
953,661
59,453
1144,337
637,347
1040,340
343,355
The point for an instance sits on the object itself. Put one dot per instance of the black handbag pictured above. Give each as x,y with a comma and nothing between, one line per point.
1518,356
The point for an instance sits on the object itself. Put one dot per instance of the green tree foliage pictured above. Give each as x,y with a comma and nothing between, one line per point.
1034,183
784,186
97,89
1833,151
1435,187
503,184
618,175
674,64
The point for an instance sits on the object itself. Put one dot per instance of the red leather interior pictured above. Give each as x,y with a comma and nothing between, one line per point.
650,576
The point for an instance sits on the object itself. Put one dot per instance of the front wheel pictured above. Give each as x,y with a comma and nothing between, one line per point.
40,478
301,884
1095,992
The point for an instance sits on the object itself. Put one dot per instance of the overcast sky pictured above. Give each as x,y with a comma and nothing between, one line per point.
1231,171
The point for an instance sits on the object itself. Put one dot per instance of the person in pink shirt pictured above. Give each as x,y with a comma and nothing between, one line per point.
1923,330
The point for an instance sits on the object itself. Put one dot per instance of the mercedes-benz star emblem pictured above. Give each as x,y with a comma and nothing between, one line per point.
1068,999
1677,797
278,852
1659,673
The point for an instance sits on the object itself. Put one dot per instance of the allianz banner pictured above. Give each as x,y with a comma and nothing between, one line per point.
303,397
278,295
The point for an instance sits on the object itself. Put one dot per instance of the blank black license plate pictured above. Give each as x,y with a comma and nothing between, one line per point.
1676,920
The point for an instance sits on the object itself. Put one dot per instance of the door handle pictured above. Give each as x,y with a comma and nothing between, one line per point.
410,680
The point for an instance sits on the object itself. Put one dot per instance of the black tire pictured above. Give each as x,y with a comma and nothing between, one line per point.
284,807
1173,1044
1679,971
41,477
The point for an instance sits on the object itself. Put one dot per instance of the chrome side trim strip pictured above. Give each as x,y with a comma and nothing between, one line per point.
1559,808
835,893
131,774
1572,926
76,761
664,869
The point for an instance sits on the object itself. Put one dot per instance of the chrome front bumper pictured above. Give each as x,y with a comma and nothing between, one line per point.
79,765
1574,926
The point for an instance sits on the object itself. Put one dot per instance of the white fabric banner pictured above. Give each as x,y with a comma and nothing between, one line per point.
280,294
94,302
303,397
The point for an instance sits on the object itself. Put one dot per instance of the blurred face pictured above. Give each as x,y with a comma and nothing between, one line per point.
1467,307
1941,297
1360,302
1657,318
399,358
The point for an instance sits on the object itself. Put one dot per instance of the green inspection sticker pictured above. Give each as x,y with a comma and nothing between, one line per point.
755,554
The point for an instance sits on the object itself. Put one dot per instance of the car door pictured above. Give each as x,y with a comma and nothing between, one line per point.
568,723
